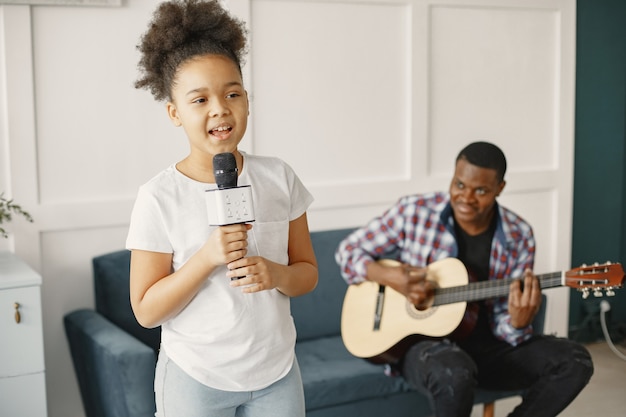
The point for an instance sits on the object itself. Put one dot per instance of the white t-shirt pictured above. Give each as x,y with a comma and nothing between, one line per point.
223,338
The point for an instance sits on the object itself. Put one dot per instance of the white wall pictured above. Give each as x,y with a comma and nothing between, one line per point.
367,100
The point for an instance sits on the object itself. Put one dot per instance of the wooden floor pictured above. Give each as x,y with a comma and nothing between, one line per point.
604,396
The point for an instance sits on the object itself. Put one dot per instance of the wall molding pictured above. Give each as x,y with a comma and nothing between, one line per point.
64,2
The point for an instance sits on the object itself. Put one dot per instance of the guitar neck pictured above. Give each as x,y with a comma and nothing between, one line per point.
482,290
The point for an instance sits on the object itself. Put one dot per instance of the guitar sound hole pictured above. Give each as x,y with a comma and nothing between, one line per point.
415,313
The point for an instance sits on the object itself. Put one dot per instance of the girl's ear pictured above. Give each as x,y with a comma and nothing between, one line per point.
172,112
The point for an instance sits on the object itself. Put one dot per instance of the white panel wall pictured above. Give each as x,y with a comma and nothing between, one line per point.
317,91
367,100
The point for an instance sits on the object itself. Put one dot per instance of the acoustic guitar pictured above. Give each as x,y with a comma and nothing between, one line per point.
379,324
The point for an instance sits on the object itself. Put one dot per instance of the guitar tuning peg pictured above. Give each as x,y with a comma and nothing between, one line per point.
597,293
596,264
608,263
609,292
585,293
584,265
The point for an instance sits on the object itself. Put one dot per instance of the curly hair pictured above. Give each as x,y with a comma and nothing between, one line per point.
181,30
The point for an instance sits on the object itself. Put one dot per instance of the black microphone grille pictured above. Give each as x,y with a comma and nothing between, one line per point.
225,170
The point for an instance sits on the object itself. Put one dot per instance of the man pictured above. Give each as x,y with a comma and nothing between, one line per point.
501,351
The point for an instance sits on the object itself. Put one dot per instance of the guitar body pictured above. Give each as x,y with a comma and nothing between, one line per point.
401,324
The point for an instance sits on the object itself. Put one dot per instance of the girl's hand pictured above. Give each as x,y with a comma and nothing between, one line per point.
226,244
254,274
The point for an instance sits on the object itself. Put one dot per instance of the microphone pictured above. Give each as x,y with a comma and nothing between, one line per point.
225,170
229,203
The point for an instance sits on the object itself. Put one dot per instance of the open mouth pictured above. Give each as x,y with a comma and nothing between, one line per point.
221,130
461,208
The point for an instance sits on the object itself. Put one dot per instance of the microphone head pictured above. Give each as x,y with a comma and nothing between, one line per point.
225,170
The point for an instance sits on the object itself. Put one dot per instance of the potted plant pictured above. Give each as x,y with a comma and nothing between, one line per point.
7,209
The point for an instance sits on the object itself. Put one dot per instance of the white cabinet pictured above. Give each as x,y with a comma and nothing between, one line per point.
22,371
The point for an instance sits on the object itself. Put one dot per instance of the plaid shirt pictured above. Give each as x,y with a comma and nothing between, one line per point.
419,230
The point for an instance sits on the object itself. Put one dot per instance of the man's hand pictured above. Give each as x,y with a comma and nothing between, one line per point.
407,280
524,305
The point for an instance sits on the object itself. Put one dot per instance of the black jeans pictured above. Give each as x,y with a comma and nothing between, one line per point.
551,370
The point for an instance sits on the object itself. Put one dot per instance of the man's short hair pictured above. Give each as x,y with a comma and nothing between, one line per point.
485,155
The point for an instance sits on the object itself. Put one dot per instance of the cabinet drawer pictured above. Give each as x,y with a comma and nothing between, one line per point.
21,344
23,396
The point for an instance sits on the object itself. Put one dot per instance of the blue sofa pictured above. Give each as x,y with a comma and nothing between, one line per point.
114,357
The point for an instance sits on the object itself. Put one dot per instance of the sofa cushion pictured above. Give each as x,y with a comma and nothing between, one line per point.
318,313
112,291
332,376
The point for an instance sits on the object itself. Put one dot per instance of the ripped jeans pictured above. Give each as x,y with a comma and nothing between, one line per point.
552,371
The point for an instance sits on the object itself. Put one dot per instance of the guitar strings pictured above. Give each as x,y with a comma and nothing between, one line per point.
487,289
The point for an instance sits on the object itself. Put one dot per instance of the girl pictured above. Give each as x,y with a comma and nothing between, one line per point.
227,346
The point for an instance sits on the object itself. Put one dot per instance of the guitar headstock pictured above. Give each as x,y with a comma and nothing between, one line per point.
595,278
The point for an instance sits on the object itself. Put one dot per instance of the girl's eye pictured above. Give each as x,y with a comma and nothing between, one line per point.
481,191
233,95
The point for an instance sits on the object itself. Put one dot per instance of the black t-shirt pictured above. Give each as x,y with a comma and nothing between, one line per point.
475,253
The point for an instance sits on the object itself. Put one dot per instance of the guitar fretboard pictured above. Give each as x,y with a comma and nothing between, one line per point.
482,290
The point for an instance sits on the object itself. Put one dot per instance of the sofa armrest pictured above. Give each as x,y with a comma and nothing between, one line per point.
115,371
